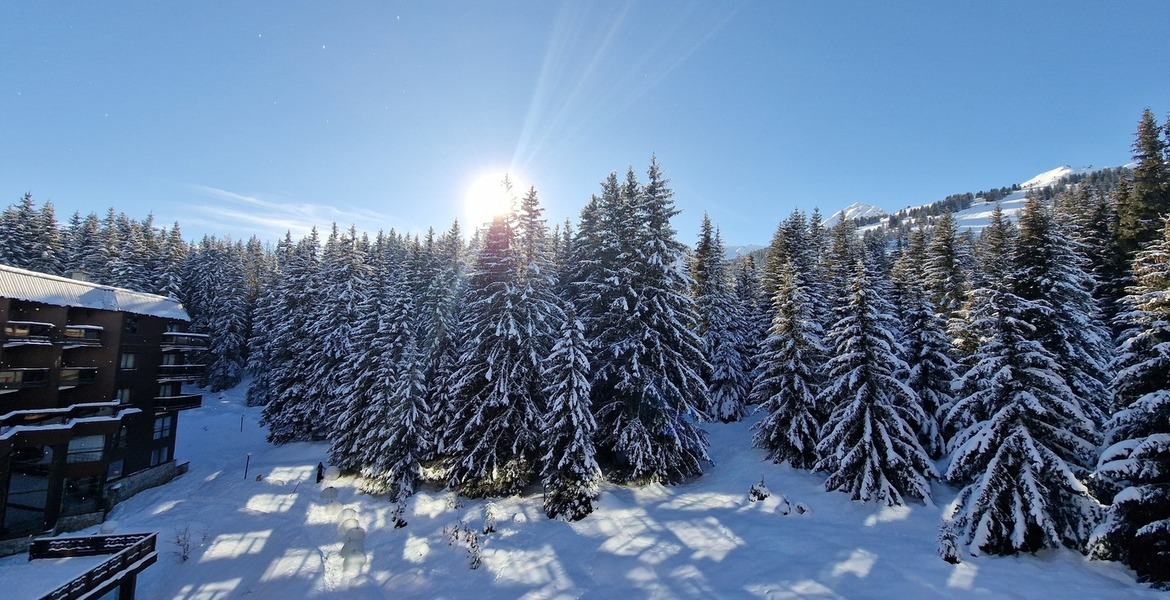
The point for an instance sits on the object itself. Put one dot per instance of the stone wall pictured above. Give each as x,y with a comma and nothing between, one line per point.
143,480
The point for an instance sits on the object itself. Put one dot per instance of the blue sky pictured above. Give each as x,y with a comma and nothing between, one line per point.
249,118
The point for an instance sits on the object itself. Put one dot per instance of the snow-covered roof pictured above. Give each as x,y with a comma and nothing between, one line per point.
60,291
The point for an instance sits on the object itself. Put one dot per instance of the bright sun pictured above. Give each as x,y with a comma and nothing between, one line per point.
486,197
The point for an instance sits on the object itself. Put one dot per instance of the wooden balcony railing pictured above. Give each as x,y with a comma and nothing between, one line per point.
132,552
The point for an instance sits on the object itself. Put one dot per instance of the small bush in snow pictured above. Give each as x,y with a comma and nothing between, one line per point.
759,491
489,519
183,541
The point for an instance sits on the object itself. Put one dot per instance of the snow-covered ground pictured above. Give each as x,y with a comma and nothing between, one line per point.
275,539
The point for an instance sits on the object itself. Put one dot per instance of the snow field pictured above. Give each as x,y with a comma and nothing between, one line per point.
275,539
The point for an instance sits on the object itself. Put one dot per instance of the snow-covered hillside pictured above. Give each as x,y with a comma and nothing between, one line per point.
856,210
275,538
1048,178
978,215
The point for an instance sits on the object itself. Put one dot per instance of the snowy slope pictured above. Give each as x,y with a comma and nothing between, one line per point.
1048,178
856,210
274,538
978,215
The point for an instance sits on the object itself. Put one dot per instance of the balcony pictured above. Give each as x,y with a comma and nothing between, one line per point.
183,341
12,380
180,373
72,377
129,554
27,333
81,336
181,402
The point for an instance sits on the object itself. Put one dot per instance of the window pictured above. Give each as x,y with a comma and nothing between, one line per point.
163,426
115,470
86,449
124,395
170,359
130,325
129,360
167,390
160,456
121,439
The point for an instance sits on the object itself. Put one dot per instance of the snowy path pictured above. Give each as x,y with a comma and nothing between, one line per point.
273,538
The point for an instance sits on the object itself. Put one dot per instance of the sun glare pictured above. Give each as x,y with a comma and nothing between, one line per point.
487,197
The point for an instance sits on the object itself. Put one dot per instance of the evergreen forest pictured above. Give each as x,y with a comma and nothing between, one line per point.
1027,365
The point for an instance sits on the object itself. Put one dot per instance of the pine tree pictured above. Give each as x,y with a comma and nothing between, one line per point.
943,275
719,326
928,354
647,382
1148,200
569,462
1136,460
362,422
1023,445
790,377
869,446
343,285
755,318
393,428
495,426
292,413
1050,274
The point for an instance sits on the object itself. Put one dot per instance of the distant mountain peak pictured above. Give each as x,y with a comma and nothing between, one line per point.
857,210
1048,178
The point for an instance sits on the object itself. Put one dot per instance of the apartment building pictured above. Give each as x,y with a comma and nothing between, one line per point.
91,388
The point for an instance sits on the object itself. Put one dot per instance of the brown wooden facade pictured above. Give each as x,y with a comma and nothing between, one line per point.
88,396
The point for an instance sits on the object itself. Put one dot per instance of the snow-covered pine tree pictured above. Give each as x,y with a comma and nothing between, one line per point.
23,242
719,326
266,316
493,435
361,423
128,267
906,273
837,264
944,278
167,276
226,318
869,445
790,378
399,439
1136,460
292,413
344,284
569,463
928,354
1023,445
647,382
1050,274
755,317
